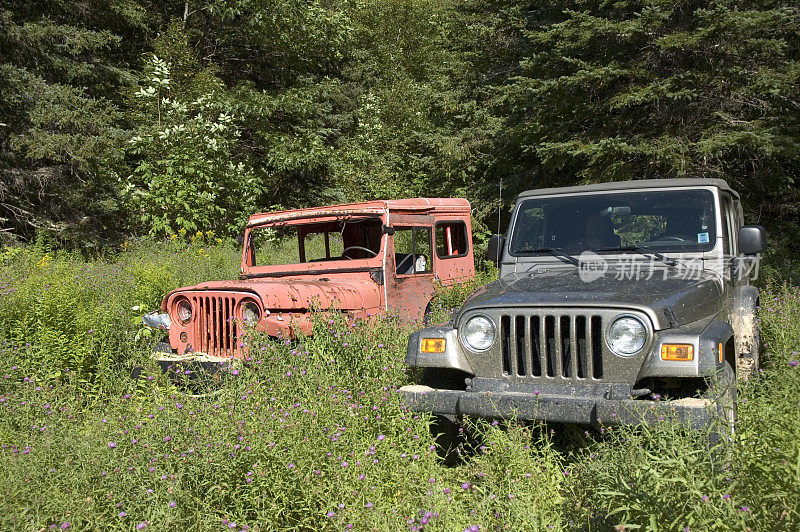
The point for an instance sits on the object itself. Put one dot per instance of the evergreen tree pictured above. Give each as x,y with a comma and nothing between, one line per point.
656,89
61,130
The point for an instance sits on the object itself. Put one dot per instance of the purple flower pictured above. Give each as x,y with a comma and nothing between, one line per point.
331,513
173,504
112,444
140,526
122,514
168,438
794,363
726,497
381,437
65,525
745,508
368,505
465,486
704,498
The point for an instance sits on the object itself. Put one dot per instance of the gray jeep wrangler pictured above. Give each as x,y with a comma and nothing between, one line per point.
622,302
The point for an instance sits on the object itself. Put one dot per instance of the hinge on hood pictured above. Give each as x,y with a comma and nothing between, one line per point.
377,276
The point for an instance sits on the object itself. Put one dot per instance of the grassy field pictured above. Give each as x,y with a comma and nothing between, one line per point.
312,435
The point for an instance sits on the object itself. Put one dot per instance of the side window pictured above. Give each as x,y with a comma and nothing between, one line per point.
412,250
451,240
727,221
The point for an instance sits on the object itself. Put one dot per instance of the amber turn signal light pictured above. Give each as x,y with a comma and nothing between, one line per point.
432,345
679,352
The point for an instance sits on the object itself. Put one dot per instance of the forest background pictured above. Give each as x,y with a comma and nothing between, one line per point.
131,117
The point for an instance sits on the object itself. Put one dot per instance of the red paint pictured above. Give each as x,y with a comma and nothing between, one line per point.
286,293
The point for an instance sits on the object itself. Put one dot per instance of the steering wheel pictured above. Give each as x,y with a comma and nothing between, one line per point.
345,250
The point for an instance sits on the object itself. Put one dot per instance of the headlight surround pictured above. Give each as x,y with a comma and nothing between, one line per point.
626,336
183,311
478,333
251,312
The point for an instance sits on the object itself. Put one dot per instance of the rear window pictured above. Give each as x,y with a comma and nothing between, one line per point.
451,240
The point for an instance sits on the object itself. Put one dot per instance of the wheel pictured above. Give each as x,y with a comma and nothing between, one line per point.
722,390
426,317
445,432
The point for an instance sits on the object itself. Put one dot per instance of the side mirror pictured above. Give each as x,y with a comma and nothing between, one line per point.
495,250
752,239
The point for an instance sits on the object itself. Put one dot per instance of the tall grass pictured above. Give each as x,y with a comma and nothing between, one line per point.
311,434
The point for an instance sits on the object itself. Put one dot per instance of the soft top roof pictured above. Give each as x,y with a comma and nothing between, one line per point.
376,207
619,186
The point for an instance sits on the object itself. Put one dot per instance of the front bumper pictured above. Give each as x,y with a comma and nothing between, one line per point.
585,410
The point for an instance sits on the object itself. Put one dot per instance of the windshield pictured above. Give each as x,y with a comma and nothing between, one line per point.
666,221
296,244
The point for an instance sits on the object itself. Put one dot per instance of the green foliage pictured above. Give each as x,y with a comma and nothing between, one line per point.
310,434
185,178
77,317
656,89
61,71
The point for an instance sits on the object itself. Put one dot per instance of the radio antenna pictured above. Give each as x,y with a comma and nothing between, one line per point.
499,207
499,204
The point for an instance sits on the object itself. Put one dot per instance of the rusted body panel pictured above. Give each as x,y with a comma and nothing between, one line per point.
398,279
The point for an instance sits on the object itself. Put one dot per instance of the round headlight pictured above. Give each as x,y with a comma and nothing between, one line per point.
250,312
626,335
183,311
478,333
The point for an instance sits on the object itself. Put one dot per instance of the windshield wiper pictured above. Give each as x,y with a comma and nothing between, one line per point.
644,251
556,252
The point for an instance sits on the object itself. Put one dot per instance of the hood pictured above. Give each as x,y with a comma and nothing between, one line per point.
669,302
300,294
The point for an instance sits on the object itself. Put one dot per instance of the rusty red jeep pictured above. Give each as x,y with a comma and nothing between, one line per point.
361,259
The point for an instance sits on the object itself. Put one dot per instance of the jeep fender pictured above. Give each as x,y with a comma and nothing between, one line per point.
452,357
706,343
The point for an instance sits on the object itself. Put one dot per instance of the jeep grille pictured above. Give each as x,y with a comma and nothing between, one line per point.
216,332
552,345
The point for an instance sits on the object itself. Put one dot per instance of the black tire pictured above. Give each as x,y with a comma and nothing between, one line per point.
446,435
426,317
163,347
722,390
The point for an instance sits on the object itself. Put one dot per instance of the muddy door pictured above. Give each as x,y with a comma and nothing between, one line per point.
409,266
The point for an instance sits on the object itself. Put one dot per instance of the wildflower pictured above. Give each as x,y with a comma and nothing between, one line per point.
368,505
704,498
173,504
65,525
331,513
465,486
794,363
745,508
122,514
726,497
111,444
141,526
381,437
